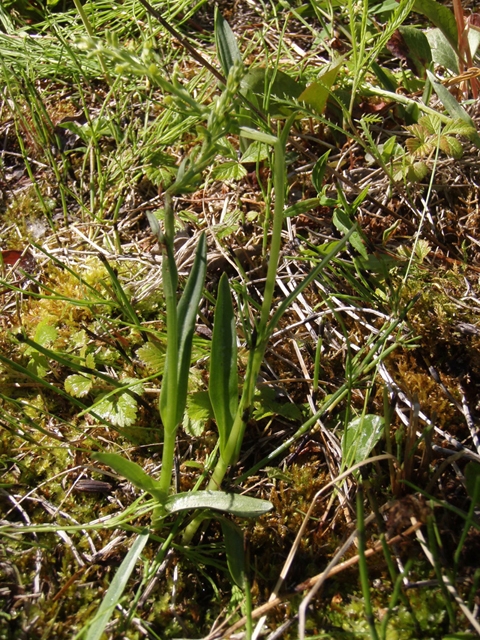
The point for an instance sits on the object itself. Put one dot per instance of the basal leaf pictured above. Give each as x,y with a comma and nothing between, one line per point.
225,43
443,53
186,317
441,16
132,471
235,551
78,385
256,152
360,437
223,384
267,86
236,505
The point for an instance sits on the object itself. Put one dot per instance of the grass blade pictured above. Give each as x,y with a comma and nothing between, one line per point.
116,589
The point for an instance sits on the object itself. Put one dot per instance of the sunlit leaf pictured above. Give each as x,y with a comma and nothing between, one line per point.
151,355
198,412
441,16
229,171
443,53
120,410
78,385
45,334
116,589
317,93
360,437
233,503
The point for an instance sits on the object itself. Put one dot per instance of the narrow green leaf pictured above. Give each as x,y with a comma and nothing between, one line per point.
223,385
453,107
303,206
235,551
360,436
186,317
225,43
241,506
260,136
472,480
116,589
131,471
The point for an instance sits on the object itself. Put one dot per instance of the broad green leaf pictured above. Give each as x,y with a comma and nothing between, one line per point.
45,334
266,404
38,364
360,436
418,48
472,480
131,471
116,589
151,355
441,16
186,317
317,93
225,43
78,385
120,410
231,170
235,551
198,412
256,152
451,146
223,384
443,53
260,83
343,223
453,107
318,171
236,505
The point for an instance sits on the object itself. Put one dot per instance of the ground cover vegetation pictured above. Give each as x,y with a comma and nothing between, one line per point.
239,361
